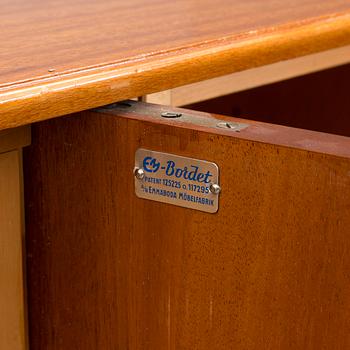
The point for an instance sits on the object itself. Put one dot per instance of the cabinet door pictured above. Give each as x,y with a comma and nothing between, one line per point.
270,269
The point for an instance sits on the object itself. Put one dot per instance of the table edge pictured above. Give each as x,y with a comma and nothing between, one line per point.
42,99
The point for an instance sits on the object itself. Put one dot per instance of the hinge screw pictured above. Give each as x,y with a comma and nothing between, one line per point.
214,188
139,173
171,115
226,125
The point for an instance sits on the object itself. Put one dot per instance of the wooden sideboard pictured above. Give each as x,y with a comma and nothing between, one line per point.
97,267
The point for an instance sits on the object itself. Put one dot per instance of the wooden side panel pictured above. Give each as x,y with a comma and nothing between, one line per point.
12,309
318,101
107,270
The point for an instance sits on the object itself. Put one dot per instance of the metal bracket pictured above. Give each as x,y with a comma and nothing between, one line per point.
175,114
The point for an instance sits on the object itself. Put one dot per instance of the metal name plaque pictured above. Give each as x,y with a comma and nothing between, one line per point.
182,181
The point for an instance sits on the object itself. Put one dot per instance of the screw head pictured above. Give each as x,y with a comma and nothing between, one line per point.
139,173
226,125
214,188
171,115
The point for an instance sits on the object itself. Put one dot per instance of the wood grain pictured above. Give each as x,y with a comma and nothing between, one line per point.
62,57
108,270
12,305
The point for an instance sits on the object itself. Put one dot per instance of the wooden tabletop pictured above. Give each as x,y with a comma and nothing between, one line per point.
59,57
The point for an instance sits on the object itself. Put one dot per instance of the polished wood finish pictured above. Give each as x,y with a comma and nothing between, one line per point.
317,102
107,270
62,57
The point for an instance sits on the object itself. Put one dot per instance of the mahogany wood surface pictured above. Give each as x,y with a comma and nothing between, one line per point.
59,57
107,270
